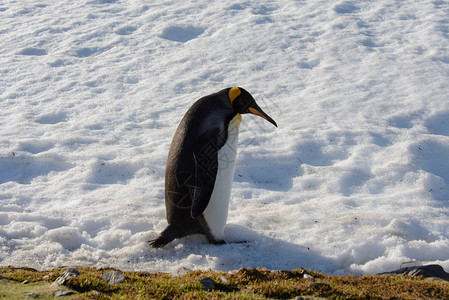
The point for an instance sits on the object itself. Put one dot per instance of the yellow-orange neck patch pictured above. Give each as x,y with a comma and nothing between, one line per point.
234,93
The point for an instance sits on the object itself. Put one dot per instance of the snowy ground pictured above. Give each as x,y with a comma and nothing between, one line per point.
354,180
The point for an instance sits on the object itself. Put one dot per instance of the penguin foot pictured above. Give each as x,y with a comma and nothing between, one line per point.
168,235
239,242
157,243
221,242
161,241
218,242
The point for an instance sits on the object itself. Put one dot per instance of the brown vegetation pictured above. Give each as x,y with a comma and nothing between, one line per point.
241,284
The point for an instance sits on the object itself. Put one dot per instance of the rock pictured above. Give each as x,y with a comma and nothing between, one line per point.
113,277
436,279
424,271
66,275
207,283
32,295
25,282
63,293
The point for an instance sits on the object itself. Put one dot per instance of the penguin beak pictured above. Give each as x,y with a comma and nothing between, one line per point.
256,110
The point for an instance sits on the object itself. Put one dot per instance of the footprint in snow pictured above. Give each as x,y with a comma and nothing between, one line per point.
351,180
262,10
442,59
35,146
403,121
52,118
127,30
181,34
308,64
237,6
90,51
439,124
369,43
32,51
438,4
103,1
346,8
59,63
319,153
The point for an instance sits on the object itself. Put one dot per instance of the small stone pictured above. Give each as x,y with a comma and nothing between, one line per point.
207,283
25,282
66,275
63,293
424,271
32,295
113,277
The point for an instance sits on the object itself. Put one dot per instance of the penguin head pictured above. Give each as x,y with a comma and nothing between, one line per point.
243,103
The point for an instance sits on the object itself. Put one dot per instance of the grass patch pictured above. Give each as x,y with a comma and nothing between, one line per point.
241,284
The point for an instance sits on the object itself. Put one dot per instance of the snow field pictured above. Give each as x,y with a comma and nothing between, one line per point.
354,179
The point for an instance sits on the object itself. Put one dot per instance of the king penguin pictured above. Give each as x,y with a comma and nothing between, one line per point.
200,165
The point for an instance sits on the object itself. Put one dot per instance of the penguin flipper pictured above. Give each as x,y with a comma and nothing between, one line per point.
205,179
206,168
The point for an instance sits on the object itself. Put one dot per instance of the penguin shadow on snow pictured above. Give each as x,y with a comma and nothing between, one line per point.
245,248
258,250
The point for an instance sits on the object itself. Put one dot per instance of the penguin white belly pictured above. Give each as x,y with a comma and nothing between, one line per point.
216,212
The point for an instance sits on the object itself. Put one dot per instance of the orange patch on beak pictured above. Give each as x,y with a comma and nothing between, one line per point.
260,113
257,113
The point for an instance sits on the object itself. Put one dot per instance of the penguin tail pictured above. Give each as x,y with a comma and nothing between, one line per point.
166,236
